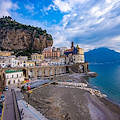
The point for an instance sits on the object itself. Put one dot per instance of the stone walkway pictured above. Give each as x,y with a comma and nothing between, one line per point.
29,112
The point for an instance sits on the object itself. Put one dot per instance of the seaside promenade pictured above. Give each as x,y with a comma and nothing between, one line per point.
28,112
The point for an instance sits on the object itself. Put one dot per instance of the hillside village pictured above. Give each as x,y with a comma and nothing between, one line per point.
51,56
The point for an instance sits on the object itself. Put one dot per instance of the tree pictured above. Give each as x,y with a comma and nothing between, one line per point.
9,17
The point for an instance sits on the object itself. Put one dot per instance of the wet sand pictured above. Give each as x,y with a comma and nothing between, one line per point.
61,103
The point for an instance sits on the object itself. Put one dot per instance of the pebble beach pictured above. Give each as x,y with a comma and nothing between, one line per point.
59,102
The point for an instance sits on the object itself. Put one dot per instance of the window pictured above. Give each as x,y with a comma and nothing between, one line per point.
17,75
7,76
34,57
12,76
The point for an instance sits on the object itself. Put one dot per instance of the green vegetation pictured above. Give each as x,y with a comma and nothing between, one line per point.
26,52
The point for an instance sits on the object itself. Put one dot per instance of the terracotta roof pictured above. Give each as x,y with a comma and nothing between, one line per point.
80,48
68,50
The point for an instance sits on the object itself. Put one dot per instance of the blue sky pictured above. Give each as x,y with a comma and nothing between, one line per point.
89,23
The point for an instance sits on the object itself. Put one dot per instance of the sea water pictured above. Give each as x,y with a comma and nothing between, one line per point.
107,81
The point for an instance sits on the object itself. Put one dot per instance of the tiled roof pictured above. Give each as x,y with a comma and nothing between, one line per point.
68,50
12,71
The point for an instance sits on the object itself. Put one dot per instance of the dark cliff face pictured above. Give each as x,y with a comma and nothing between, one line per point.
16,36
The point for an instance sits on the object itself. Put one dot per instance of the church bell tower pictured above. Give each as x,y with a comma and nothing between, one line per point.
72,45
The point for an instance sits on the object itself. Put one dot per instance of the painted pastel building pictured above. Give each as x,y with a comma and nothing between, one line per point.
13,76
49,53
37,57
30,63
5,53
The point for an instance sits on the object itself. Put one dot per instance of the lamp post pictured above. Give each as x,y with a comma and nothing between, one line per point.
2,89
28,97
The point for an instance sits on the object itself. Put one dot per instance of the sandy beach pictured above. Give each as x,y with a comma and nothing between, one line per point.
58,102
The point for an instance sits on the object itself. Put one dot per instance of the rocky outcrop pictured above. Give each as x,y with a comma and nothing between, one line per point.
15,36
92,74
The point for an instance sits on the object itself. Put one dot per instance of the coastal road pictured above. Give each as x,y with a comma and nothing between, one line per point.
9,113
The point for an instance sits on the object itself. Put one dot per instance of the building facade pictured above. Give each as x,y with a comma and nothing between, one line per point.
74,55
49,53
37,57
5,53
62,50
78,59
30,63
13,76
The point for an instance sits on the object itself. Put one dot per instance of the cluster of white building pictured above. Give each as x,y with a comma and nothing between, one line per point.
50,56
13,61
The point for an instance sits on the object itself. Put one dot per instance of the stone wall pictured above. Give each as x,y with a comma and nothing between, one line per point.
80,67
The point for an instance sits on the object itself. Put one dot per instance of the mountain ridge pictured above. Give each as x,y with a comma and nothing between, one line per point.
102,55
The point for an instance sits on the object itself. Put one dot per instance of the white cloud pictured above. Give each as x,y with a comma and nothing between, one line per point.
87,47
60,41
30,7
108,1
6,6
114,43
95,11
90,25
110,42
64,6
24,20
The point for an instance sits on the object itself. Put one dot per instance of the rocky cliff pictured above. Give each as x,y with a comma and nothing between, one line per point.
16,36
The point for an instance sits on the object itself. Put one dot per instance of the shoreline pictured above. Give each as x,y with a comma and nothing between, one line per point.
112,101
107,98
55,104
